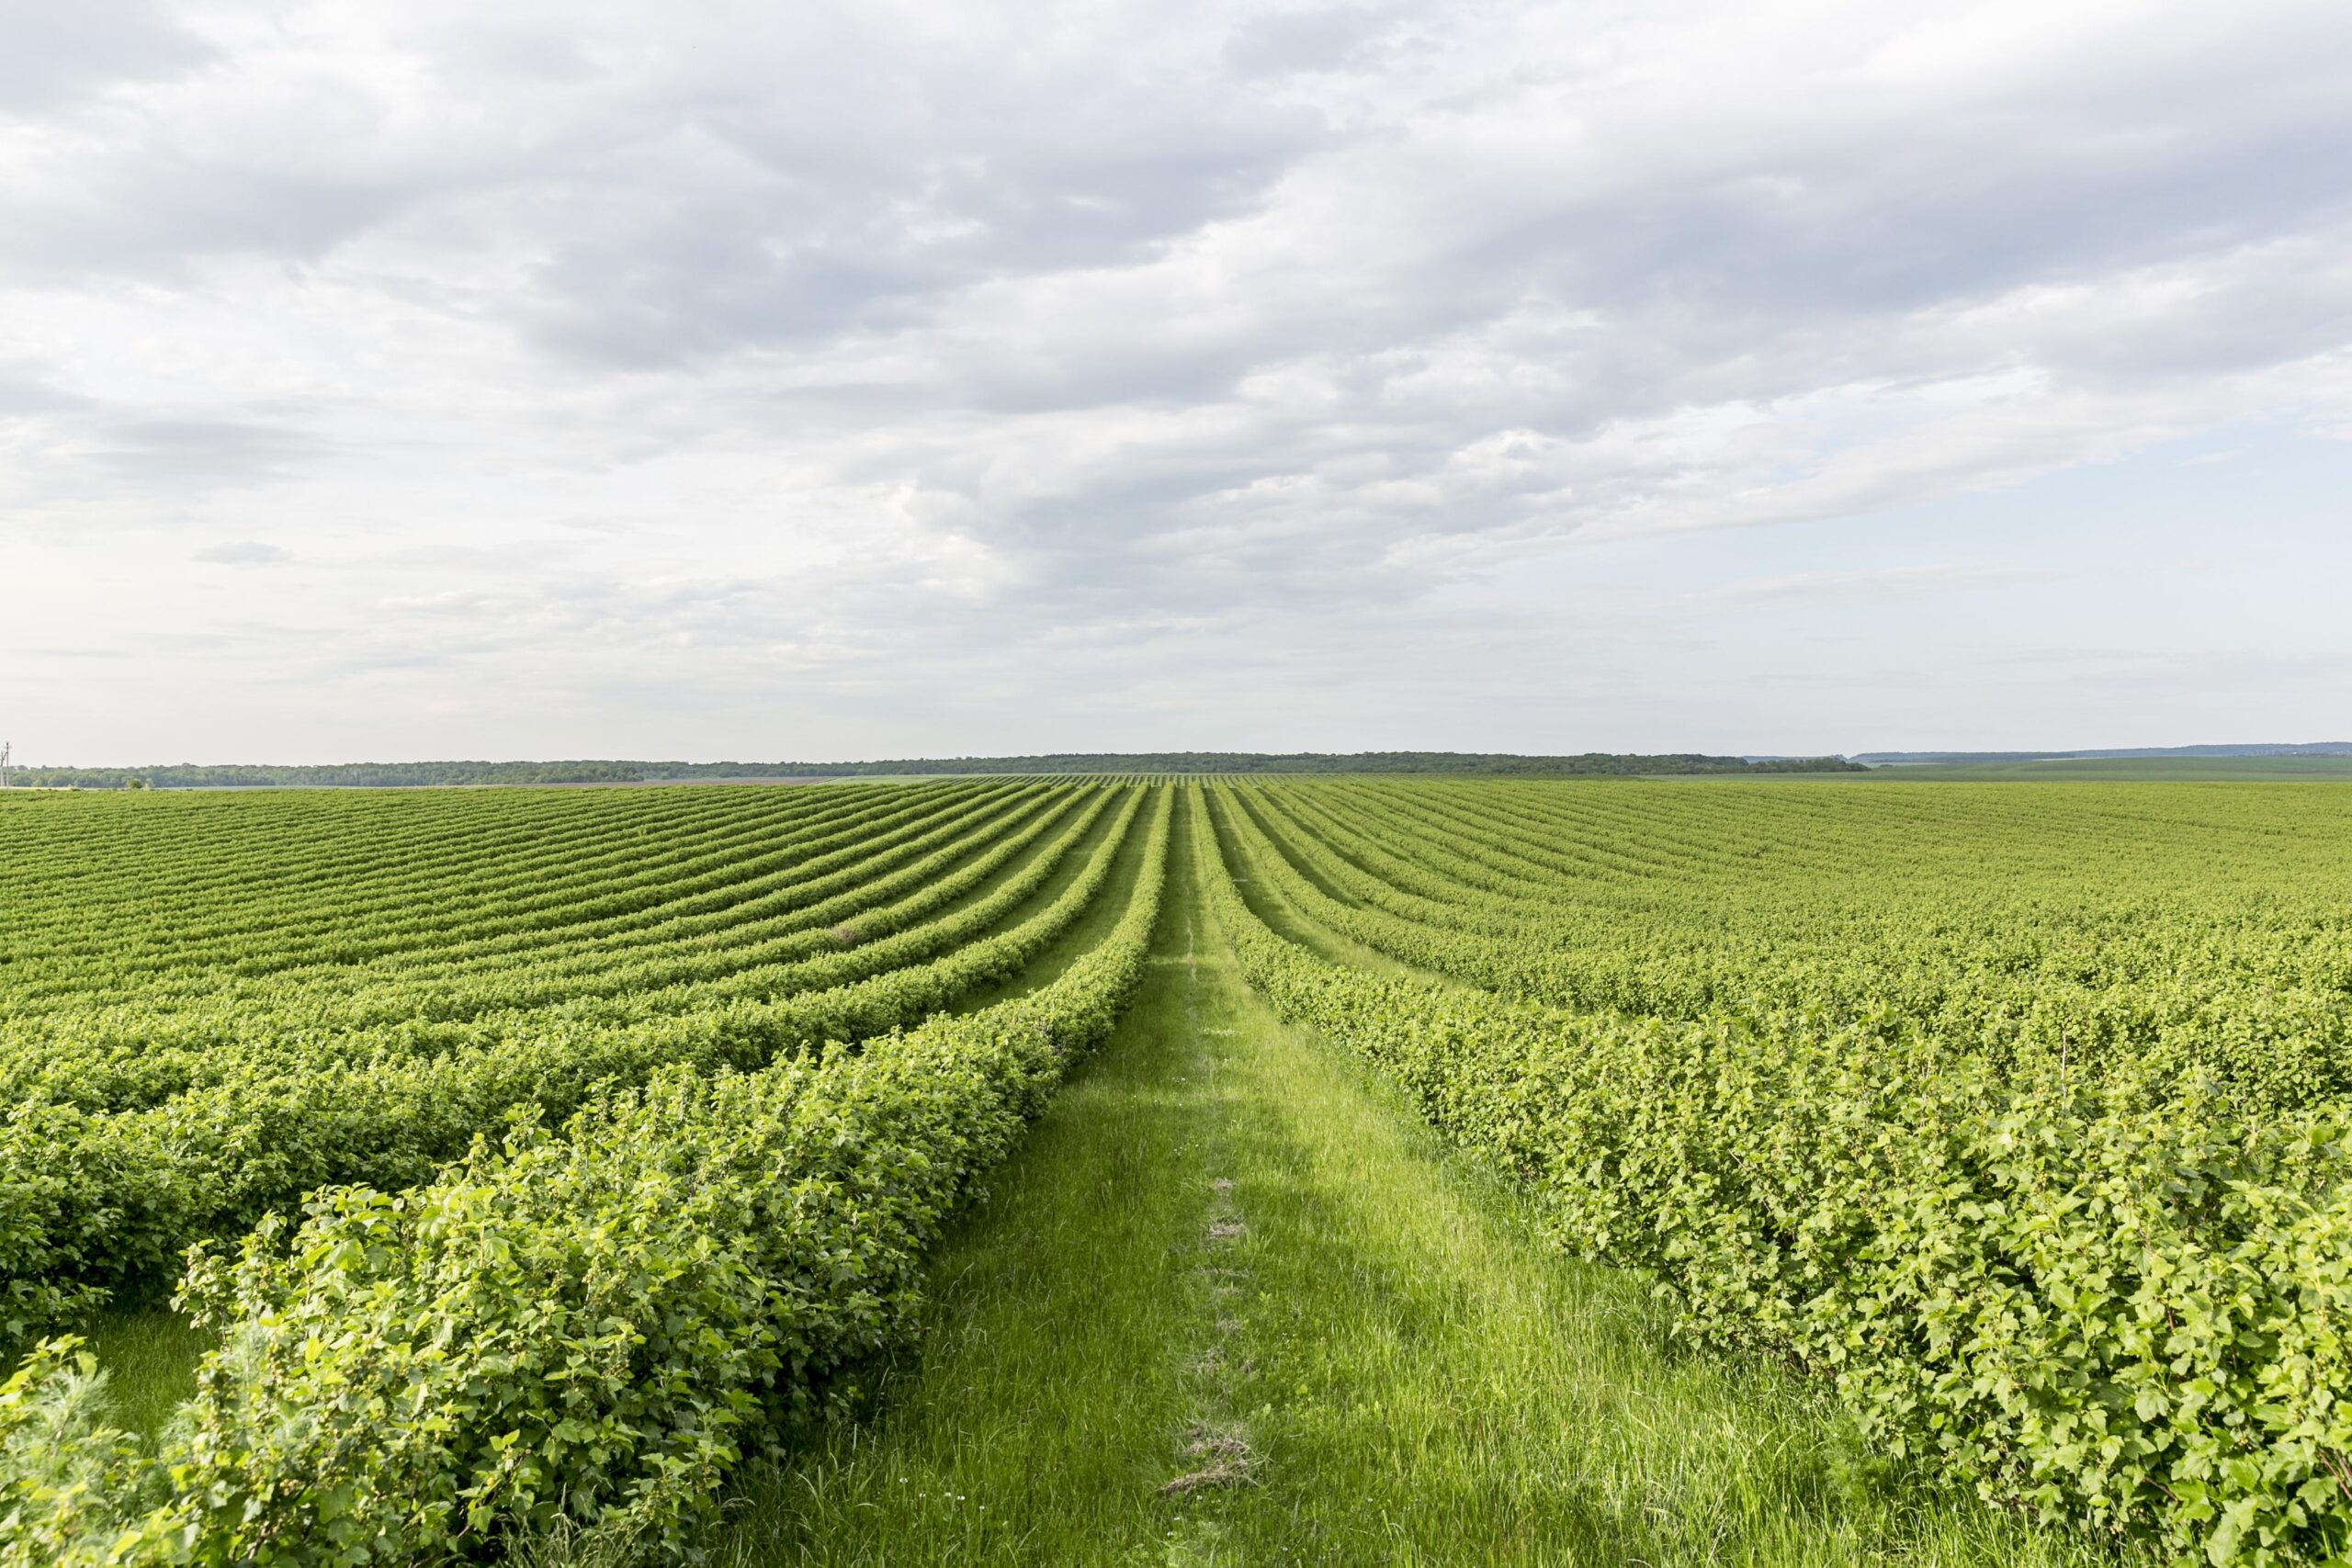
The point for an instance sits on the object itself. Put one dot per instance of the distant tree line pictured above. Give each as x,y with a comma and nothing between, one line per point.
1584,763
189,775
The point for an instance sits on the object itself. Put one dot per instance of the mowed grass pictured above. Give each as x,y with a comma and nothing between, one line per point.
1232,1304
149,1356
1044,1414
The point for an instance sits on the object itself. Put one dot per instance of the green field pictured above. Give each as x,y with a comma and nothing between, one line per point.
1271,1170
2133,769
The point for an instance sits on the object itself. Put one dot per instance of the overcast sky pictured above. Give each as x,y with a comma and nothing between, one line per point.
806,381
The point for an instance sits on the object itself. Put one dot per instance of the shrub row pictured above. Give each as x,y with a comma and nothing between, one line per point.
288,880
593,1325
2125,1305
2263,1002
122,1028
91,1203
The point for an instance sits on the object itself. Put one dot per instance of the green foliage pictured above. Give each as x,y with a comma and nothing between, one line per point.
233,1106
346,775
70,1486
2189,935
576,1329
608,1128
2115,1293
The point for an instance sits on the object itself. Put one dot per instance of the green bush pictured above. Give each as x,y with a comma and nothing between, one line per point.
576,1329
91,1202
2126,1305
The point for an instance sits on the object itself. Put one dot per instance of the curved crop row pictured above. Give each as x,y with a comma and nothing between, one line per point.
589,885
114,1062
592,1325
2120,1302
92,1203
2260,998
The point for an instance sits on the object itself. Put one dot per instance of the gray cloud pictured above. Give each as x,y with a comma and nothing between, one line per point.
59,53
201,451
733,350
26,391
1806,589
241,552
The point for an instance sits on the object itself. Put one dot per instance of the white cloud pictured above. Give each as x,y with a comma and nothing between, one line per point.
239,552
635,361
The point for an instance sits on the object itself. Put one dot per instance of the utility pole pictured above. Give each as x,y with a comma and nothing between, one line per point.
4,764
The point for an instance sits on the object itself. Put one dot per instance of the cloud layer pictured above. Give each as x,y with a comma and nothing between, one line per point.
724,378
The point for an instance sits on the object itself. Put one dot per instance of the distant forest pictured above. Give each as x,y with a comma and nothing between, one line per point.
189,775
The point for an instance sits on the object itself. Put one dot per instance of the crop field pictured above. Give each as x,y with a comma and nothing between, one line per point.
2135,769
1146,1171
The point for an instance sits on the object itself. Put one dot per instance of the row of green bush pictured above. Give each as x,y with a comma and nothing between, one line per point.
2125,1305
91,1204
2176,962
129,1020
589,1327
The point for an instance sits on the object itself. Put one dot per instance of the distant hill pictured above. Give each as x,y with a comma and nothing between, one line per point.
1911,759
191,775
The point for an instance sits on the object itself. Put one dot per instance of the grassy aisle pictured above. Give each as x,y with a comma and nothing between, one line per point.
1231,1305
1066,1317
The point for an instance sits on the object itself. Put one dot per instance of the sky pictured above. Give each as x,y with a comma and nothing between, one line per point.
703,380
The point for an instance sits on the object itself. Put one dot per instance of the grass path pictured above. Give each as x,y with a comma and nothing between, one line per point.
1230,1304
